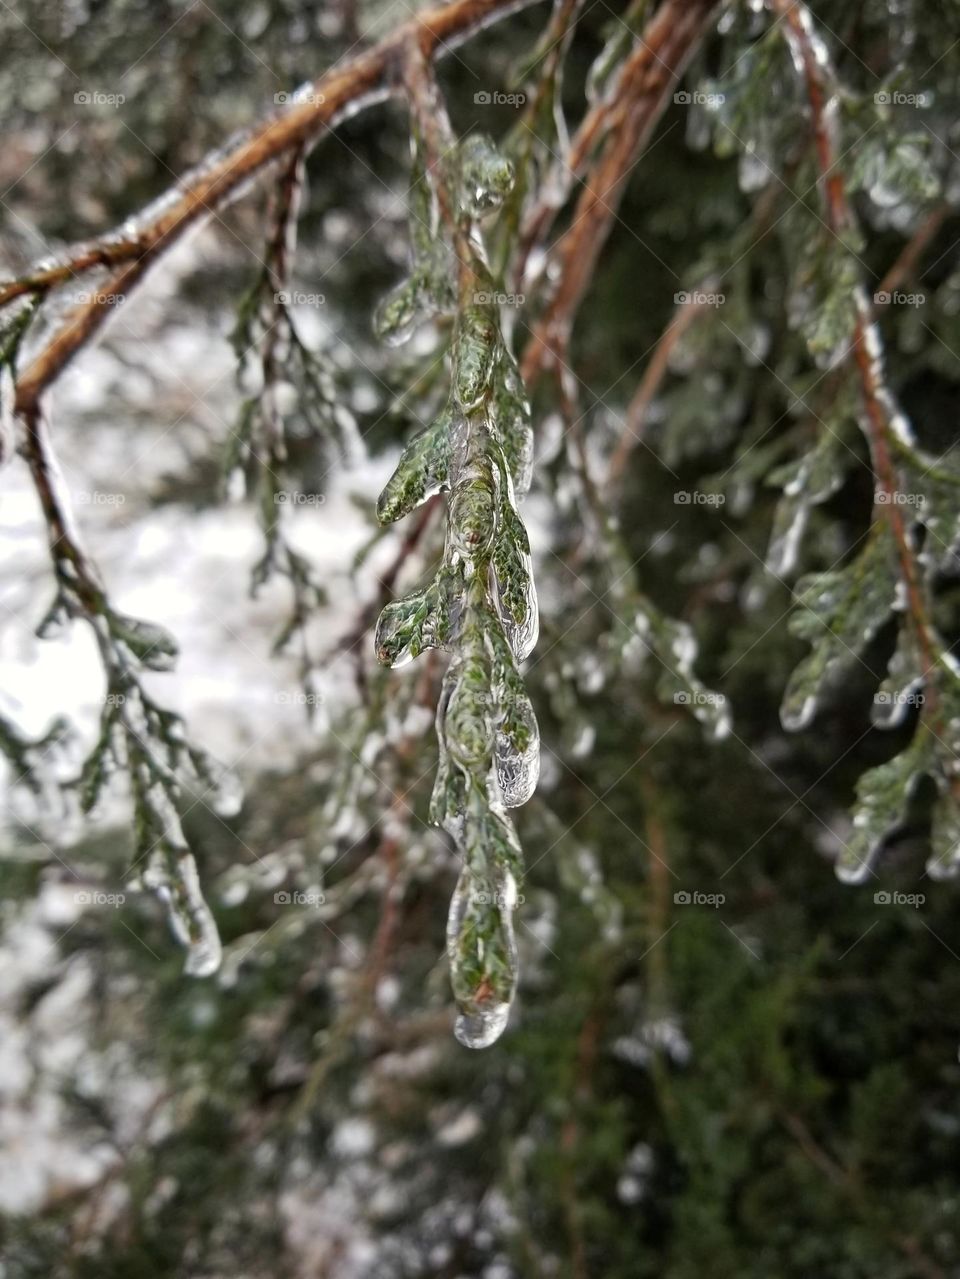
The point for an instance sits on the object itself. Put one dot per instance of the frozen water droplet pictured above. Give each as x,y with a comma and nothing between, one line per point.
518,770
481,1029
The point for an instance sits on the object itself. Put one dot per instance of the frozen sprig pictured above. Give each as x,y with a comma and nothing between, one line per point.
841,610
137,737
290,394
480,605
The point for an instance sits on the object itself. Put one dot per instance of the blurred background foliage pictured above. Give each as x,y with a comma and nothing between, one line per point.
762,1084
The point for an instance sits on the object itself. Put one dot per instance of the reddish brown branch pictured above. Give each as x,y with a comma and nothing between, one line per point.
814,67
635,418
359,81
627,120
906,264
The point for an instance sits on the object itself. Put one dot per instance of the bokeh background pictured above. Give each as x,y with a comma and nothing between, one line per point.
722,1060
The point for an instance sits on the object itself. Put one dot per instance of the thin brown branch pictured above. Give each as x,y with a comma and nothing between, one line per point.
345,88
629,119
815,69
635,418
905,266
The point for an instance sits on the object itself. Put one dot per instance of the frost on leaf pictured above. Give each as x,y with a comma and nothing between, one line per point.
883,798
481,605
839,612
806,482
421,472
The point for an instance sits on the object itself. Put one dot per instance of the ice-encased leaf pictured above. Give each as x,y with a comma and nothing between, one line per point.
422,471
517,753
932,485
883,798
475,346
822,303
674,648
486,175
482,949
399,313
171,872
905,678
895,170
513,574
408,626
510,410
152,645
839,611
467,726
806,483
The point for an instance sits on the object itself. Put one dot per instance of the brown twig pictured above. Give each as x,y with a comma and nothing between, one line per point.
815,69
635,418
627,121
904,267
357,82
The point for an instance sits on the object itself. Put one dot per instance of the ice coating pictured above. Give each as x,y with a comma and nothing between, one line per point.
481,605
482,949
172,874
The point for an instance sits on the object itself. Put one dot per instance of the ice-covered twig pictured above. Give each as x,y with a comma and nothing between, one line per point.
481,605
